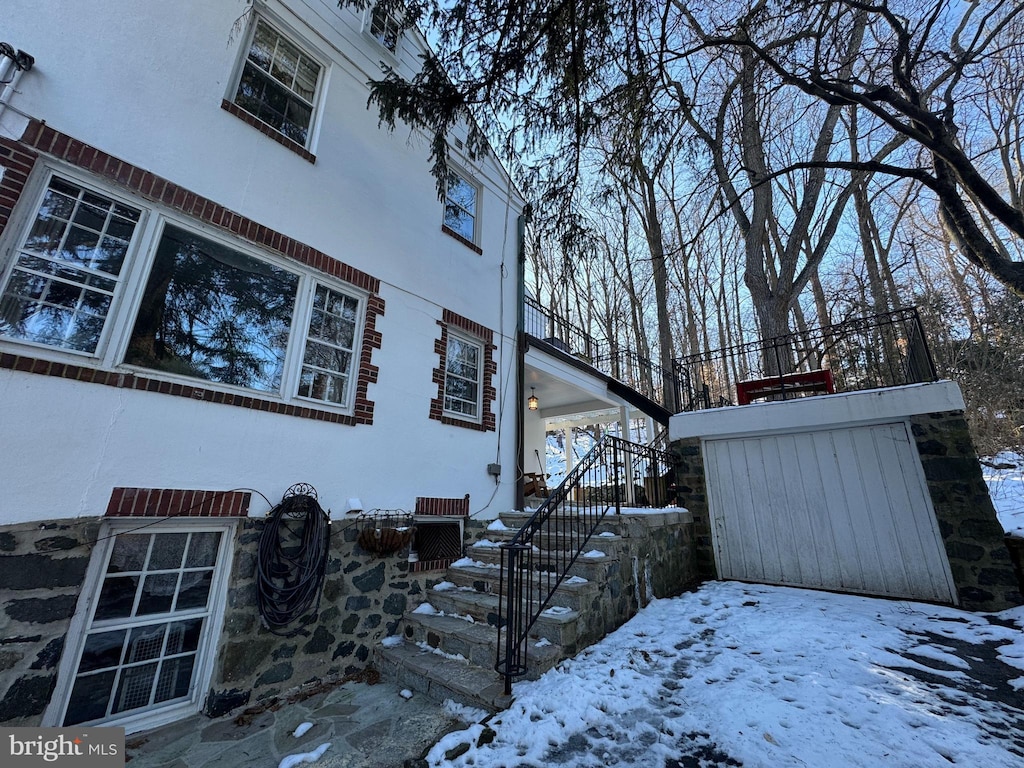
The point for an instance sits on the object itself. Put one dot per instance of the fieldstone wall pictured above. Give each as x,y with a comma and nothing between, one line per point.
654,557
978,557
42,568
363,599
691,492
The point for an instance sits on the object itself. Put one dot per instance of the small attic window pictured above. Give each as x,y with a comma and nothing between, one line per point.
385,28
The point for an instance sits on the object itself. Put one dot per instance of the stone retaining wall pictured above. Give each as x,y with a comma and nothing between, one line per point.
692,493
974,540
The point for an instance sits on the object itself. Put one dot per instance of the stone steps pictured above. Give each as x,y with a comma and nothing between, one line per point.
592,567
449,651
476,643
440,678
560,627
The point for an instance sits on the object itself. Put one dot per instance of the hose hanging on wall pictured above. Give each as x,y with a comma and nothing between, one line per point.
292,560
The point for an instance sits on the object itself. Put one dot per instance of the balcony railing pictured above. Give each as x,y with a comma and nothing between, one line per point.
633,370
884,350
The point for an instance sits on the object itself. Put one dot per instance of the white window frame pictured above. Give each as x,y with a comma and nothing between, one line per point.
477,189
299,42
465,338
206,655
17,232
389,19
120,320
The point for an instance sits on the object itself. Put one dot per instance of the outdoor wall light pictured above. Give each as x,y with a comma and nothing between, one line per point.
13,61
532,402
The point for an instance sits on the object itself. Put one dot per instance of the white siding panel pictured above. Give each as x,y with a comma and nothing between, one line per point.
842,509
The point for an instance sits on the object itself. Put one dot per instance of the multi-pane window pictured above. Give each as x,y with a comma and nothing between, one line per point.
149,626
384,27
278,83
330,345
462,382
62,284
460,206
195,307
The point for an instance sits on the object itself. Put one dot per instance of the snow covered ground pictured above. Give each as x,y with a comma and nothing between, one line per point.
767,677
1006,487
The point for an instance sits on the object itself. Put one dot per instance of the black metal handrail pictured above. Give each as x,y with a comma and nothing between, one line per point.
613,474
883,350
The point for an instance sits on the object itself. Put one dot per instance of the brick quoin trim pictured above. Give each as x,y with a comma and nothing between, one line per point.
18,160
165,502
427,505
487,421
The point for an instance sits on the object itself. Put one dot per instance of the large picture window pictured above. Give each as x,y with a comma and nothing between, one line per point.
278,83
213,313
96,277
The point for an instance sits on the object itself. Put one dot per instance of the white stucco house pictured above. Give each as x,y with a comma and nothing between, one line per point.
220,277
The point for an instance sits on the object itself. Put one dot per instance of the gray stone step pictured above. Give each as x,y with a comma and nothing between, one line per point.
440,678
593,567
559,627
516,520
576,595
477,643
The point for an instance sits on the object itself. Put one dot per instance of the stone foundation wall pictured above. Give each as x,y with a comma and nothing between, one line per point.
363,598
42,568
692,493
978,556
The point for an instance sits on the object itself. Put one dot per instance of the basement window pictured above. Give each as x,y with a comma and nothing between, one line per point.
142,655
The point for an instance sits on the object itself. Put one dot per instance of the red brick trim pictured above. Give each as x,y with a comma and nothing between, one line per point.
487,421
41,137
362,414
165,502
431,565
267,130
18,160
468,243
429,505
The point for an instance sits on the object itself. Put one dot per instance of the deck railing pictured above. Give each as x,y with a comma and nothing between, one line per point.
884,350
614,474
635,371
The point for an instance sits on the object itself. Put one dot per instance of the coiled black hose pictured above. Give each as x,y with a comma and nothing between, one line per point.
291,563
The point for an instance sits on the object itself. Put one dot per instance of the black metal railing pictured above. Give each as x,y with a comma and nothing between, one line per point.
637,372
884,350
614,474
557,331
